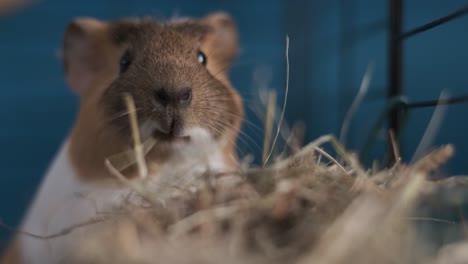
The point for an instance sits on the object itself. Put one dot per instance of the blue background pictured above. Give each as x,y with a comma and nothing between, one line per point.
331,44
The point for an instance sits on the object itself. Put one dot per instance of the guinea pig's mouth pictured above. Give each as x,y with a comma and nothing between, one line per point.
170,138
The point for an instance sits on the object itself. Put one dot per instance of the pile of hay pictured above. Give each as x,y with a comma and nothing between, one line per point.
297,210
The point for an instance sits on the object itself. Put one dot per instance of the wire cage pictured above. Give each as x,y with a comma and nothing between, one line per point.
397,106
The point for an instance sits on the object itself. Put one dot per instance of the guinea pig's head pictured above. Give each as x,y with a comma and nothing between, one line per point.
176,72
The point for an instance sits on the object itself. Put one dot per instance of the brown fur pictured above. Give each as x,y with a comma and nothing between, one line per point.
11,255
164,60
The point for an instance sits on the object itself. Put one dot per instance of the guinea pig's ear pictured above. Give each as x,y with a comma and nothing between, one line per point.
82,52
221,41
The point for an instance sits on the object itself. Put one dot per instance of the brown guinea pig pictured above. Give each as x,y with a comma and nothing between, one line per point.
177,74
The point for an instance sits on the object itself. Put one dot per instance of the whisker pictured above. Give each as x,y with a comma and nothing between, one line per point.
122,114
245,139
208,89
226,112
220,131
225,98
245,97
242,119
241,133
225,94
233,142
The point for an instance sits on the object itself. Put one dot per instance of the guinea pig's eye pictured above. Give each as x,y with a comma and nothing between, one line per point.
125,61
201,57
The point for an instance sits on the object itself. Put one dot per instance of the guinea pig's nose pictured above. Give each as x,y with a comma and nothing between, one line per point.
184,97
162,96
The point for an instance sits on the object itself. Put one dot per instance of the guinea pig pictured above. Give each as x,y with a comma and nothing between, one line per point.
177,74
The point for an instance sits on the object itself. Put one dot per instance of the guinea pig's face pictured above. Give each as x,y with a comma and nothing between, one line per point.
175,72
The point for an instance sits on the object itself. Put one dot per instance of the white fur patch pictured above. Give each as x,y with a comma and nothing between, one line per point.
61,202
